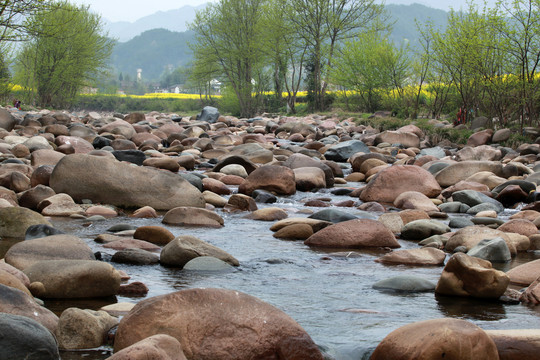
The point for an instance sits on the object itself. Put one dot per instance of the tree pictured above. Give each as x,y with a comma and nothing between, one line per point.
13,14
66,51
229,34
370,65
323,24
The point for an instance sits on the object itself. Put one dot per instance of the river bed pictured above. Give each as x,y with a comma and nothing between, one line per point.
328,292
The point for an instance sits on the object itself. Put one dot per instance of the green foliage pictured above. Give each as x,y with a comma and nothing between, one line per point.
66,51
229,102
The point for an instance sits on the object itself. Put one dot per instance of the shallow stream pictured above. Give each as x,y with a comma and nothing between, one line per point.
328,292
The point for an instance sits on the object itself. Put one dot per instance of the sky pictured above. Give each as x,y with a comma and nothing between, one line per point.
132,10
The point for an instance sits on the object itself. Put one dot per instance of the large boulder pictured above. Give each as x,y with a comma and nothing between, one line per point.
70,279
7,121
516,344
103,180
14,221
449,339
277,179
56,247
218,324
296,161
465,275
406,139
161,346
456,172
342,151
16,302
208,114
354,234
525,274
24,338
389,183
184,248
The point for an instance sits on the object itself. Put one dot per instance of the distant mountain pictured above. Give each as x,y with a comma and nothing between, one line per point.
158,46
153,51
173,20
406,17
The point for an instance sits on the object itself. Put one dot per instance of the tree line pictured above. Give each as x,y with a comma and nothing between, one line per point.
484,62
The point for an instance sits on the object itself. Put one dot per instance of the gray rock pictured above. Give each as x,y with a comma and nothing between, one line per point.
332,215
438,166
483,207
133,156
208,114
193,180
486,221
342,151
39,231
121,227
207,263
473,198
494,250
437,241
405,283
24,338
421,229
7,121
454,207
460,222
436,151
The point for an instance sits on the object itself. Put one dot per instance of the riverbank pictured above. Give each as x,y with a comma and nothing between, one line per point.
244,189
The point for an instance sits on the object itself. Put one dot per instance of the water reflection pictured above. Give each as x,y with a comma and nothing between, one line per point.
471,308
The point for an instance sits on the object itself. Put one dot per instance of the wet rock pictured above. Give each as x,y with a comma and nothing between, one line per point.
69,279
134,289
145,212
83,329
154,234
424,256
9,279
294,232
207,263
40,231
241,202
405,283
354,234
434,339
277,179
464,275
511,195
470,237
315,224
135,257
421,229
266,332
38,344
18,274
128,243
309,178
161,346
391,182
518,344
464,185
253,152
32,197
59,205
14,221
56,247
525,274
264,197
126,185
190,216
494,250
184,248
16,302
7,120
268,214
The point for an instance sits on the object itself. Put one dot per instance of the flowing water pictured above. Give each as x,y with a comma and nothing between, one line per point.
328,292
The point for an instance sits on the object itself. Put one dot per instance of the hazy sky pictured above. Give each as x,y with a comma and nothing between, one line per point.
131,10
